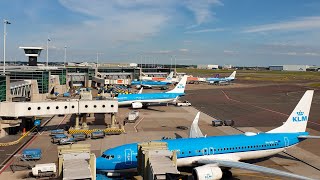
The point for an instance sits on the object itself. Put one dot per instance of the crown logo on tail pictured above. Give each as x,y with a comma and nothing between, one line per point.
300,113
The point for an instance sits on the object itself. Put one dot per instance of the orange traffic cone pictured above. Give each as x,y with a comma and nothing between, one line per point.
24,131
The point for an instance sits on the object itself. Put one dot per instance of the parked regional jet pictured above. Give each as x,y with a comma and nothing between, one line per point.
143,99
217,79
152,84
212,154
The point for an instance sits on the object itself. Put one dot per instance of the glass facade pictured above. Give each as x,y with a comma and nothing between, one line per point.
61,73
42,78
2,88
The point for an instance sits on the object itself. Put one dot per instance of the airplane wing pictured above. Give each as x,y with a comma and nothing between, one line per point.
195,131
309,137
251,167
146,86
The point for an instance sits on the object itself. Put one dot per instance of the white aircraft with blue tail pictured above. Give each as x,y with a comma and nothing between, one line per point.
211,155
217,80
144,99
153,84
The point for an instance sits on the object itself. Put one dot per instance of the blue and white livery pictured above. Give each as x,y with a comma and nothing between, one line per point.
152,84
211,154
217,80
143,99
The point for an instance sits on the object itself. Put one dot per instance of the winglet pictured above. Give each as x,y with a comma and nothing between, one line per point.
180,86
140,91
195,131
297,121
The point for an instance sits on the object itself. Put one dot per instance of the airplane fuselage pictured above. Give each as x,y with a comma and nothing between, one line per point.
150,83
227,79
127,99
189,150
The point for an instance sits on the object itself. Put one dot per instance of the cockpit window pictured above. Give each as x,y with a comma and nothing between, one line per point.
107,156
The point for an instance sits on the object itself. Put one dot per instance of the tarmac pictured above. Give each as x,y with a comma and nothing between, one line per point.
254,108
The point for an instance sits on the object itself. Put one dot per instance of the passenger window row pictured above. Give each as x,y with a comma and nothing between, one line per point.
246,147
233,148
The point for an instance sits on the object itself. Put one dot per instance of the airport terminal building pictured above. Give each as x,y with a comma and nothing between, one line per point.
289,67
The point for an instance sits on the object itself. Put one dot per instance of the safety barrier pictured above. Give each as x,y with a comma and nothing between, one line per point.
107,131
18,140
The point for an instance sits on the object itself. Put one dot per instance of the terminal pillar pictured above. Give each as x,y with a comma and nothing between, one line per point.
84,121
76,126
113,119
3,131
8,94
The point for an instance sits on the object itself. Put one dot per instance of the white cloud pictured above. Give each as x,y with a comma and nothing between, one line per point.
184,50
283,44
299,24
114,21
101,25
206,30
160,52
293,53
202,10
311,54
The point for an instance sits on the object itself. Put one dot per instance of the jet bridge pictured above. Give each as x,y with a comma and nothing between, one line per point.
9,110
21,109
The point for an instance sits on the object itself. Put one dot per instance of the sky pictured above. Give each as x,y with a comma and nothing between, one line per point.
237,32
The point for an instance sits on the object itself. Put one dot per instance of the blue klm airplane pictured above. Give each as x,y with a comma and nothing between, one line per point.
217,79
143,99
152,84
212,154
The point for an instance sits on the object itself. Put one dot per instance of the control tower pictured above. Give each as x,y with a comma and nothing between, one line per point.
33,53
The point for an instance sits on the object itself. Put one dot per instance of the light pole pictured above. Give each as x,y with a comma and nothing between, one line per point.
175,65
5,22
48,51
65,56
140,68
98,58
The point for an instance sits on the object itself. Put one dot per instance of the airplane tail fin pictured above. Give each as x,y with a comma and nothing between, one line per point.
297,121
180,86
233,75
140,91
169,78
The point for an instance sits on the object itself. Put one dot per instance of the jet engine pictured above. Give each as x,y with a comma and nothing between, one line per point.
207,172
138,86
136,105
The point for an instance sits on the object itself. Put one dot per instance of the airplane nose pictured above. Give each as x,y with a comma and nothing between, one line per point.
99,163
